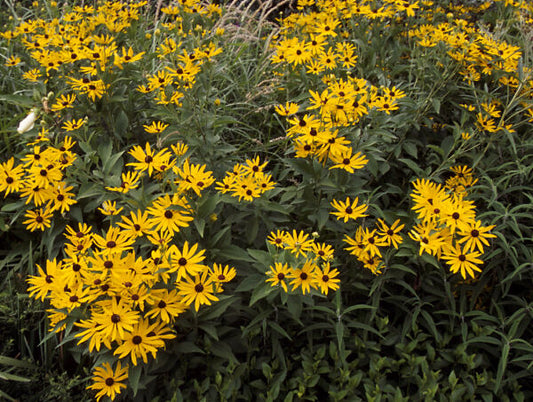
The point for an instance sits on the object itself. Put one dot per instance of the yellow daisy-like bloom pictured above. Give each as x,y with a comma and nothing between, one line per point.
110,208
389,234
169,215
155,128
304,277
326,278
348,209
346,161
148,159
323,251
114,242
12,61
460,260
288,109
298,243
44,282
186,262
38,219
278,273
137,225
278,238
116,319
165,305
222,274
141,341
108,381
63,102
475,236
198,289
72,125
193,177
129,181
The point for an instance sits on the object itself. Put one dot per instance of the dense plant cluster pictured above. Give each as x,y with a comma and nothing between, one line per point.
218,202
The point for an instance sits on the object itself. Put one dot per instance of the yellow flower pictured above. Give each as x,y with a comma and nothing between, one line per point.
348,209
155,127
108,381
198,289
38,219
72,125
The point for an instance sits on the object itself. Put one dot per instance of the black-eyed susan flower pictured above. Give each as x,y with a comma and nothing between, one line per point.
348,209
147,159
129,181
38,219
186,262
165,305
288,109
303,277
197,289
109,208
116,319
278,274
277,238
326,278
42,284
474,236
72,125
298,243
108,382
137,224
142,341
115,241
63,102
11,177
460,260
389,234
156,127
222,273
169,215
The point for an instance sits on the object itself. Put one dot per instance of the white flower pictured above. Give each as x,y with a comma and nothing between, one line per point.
27,123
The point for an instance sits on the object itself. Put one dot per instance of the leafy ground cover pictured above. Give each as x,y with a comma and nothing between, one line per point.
207,201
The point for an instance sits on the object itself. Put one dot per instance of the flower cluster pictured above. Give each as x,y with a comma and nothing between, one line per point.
317,41
448,228
307,265
246,181
39,179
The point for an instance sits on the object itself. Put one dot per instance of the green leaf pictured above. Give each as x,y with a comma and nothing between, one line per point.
188,347
134,375
217,309
279,330
211,330
13,377
502,365
261,292
233,252
121,124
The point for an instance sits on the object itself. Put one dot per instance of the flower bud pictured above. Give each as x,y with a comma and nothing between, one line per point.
27,123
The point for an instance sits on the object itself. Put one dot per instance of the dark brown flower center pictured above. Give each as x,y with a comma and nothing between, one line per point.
136,340
199,288
115,318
